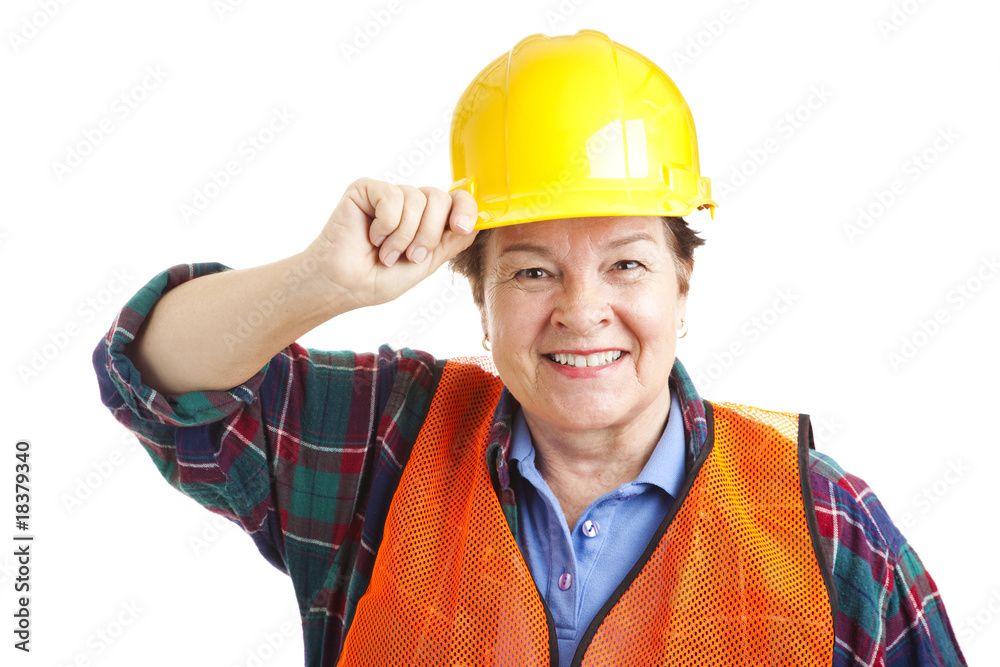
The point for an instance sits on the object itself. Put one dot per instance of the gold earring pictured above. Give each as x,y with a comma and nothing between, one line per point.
485,340
684,326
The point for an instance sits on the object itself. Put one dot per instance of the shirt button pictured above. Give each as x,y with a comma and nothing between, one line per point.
565,581
590,528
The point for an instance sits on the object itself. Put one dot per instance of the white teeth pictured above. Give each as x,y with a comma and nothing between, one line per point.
591,360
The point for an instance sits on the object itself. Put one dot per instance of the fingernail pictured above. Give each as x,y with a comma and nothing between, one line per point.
379,240
391,258
462,222
419,255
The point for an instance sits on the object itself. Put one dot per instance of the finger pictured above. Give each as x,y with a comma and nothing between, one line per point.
451,244
432,224
396,243
383,203
464,212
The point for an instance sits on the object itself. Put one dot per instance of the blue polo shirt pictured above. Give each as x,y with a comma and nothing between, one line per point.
577,572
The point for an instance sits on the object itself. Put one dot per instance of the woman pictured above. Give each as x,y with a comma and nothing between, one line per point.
576,503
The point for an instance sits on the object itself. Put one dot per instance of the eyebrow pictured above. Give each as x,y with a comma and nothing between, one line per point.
545,251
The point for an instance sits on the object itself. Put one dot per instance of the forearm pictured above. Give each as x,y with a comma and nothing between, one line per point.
216,331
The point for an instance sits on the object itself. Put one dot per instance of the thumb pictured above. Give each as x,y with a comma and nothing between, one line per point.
451,244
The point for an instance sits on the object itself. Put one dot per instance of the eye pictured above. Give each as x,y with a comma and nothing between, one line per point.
532,274
627,264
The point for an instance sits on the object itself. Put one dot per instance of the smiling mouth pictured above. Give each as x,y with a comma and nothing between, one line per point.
586,360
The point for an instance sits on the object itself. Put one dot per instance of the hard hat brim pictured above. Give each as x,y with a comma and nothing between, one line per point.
503,211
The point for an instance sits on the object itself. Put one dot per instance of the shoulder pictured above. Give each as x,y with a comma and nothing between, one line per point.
863,548
405,380
846,507
846,502
417,365
889,608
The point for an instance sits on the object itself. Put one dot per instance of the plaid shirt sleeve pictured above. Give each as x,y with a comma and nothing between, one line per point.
890,611
291,455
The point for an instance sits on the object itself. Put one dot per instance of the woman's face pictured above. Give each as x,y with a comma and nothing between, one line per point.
582,316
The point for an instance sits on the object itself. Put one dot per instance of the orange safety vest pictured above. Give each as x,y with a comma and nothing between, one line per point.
733,576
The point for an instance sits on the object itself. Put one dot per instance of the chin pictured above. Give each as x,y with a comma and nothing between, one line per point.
581,414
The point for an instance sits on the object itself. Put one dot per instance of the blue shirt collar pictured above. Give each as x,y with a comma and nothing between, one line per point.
665,467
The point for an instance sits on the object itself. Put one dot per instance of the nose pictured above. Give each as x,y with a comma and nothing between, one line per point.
582,306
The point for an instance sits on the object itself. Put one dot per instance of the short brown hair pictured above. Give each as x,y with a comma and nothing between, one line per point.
681,239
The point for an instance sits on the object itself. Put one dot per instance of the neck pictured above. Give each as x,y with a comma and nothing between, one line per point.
581,466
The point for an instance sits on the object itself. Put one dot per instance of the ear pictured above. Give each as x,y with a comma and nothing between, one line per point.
680,310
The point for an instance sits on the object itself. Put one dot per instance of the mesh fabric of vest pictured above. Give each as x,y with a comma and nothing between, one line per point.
732,579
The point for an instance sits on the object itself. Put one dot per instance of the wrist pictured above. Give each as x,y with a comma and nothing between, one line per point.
303,276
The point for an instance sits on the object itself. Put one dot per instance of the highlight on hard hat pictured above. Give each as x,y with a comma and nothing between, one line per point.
571,126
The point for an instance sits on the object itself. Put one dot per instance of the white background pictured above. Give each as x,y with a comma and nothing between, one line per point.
112,536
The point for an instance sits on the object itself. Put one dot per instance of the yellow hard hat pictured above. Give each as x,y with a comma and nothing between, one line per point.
572,126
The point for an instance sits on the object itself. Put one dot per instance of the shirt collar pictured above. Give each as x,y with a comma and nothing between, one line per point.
692,411
664,468
498,449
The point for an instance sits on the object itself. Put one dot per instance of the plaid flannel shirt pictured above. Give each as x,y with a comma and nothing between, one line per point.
306,456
